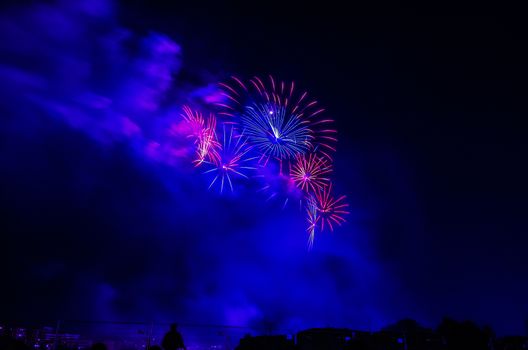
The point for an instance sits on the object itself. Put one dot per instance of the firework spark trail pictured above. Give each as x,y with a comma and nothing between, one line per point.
309,172
312,218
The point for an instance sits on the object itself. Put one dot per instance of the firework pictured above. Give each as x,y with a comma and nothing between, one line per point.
207,148
233,159
309,172
203,132
280,122
287,136
330,210
195,122
312,218
274,132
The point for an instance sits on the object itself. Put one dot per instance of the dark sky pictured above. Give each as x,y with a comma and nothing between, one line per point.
430,106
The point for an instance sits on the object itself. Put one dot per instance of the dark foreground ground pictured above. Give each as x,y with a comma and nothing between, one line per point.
404,335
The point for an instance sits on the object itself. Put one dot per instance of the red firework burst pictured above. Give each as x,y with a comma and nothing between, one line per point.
309,172
330,210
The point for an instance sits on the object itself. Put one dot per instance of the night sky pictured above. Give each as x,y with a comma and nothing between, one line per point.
430,107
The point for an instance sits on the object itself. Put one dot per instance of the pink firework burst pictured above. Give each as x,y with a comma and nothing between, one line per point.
207,148
310,172
330,210
203,132
194,121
